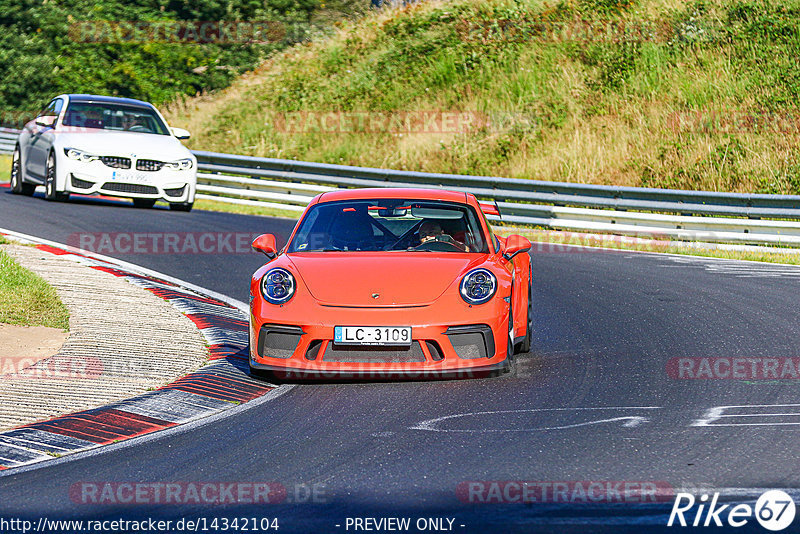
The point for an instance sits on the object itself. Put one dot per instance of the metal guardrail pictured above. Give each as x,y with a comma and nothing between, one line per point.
8,139
684,215
688,215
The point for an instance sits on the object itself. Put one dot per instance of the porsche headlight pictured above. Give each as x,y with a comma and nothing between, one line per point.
80,155
478,286
180,165
277,285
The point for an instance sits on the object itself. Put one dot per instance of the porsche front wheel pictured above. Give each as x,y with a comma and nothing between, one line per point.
525,344
511,365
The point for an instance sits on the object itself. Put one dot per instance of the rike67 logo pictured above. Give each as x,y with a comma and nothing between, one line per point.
774,510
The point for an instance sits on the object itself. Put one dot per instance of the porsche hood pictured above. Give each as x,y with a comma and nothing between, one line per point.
380,279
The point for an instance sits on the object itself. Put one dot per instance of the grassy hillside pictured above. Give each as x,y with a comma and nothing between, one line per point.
645,96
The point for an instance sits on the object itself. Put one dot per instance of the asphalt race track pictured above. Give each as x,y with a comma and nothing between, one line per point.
592,401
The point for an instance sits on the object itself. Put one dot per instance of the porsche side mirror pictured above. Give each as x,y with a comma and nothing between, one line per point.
265,243
515,244
180,133
47,120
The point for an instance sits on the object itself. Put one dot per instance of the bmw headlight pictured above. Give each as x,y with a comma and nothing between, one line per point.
478,286
277,285
180,165
80,155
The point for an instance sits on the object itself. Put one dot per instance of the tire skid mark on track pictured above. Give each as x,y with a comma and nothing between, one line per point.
220,385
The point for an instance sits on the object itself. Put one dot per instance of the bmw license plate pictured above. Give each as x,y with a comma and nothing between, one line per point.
138,177
372,335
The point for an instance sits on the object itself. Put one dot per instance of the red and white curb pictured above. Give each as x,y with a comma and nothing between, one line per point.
220,385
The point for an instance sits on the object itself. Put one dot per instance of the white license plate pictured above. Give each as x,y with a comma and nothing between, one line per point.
130,176
372,335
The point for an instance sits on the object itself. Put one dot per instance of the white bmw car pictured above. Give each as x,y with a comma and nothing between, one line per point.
88,144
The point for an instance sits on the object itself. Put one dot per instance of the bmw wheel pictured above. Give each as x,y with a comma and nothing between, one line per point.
50,192
181,206
18,186
144,203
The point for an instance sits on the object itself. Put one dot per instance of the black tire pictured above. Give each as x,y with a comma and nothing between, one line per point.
511,367
181,206
50,192
18,185
525,345
144,203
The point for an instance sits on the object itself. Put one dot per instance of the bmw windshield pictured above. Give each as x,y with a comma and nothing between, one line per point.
389,225
114,117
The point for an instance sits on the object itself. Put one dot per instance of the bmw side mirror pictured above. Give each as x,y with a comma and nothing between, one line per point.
180,133
46,121
265,243
515,244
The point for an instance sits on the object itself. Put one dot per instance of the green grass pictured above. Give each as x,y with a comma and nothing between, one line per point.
5,168
27,300
595,111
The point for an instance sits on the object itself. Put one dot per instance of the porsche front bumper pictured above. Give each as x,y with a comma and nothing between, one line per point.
471,343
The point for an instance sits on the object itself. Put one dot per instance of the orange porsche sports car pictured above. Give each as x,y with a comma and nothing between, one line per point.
390,283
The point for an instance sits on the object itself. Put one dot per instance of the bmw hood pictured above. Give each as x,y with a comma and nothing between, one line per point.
380,279
126,144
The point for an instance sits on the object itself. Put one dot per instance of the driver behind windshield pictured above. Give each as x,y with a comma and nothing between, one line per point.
432,231
134,123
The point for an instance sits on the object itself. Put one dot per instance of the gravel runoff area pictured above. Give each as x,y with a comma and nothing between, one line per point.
123,341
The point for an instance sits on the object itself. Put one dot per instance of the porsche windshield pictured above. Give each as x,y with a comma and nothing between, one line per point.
114,117
390,225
